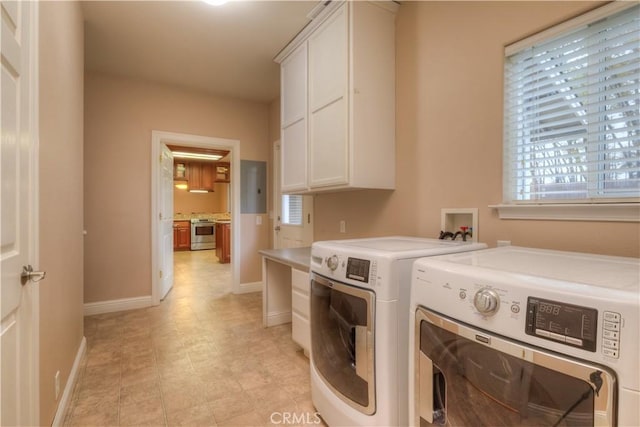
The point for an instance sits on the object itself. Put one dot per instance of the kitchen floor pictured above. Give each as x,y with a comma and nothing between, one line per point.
201,358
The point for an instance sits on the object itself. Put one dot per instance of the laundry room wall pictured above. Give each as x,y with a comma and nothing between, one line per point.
449,65
120,114
61,35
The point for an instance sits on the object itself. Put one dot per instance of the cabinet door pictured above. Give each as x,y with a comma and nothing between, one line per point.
201,176
175,237
300,310
224,252
207,176
294,120
328,113
195,176
184,238
182,235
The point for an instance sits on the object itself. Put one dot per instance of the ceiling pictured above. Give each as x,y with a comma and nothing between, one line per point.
222,50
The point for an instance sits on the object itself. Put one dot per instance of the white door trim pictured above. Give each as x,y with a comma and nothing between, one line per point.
186,140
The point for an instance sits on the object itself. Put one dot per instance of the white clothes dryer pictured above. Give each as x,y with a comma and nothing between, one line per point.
519,336
359,326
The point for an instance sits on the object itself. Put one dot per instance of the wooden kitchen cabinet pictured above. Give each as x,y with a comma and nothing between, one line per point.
223,242
181,235
201,176
341,69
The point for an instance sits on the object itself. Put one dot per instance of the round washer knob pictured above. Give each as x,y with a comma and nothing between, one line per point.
332,262
487,301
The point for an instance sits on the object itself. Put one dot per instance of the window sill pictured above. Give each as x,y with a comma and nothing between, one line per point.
620,212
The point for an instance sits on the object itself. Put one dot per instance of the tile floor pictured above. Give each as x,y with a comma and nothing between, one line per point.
201,358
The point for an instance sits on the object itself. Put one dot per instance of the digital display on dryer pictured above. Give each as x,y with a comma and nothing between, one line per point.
566,323
358,269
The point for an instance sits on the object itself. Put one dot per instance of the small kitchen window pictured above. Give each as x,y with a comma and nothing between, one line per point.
572,119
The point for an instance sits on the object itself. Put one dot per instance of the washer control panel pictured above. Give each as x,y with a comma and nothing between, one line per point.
487,301
358,269
565,323
611,334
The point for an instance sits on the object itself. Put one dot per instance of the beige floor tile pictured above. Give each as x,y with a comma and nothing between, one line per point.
248,419
144,412
232,405
253,377
96,419
219,388
182,395
270,396
200,415
200,358
139,392
96,402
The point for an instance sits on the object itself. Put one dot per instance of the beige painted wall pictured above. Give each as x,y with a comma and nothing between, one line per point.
61,171
449,132
212,202
119,117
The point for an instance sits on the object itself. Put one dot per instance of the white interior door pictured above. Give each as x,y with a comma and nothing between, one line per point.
166,221
293,220
19,303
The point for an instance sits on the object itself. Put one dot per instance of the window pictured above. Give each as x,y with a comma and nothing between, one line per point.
292,210
571,112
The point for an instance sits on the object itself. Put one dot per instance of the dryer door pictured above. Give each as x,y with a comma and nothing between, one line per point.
469,377
342,340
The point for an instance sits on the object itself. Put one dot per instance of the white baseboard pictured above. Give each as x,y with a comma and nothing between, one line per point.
67,394
280,318
112,306
245,288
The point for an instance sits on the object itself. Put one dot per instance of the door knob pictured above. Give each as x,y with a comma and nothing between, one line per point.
28,274
277,228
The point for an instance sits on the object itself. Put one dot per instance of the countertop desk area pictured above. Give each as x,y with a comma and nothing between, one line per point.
285,290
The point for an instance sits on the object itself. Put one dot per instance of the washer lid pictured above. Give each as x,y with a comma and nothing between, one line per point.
590,269
398,247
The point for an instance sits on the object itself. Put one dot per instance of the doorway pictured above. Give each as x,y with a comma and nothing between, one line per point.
161,255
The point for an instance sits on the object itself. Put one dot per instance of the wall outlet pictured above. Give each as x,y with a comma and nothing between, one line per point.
258,220
343,226
56,381
504,242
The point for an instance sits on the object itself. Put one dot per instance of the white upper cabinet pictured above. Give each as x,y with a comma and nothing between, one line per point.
338,100
293,74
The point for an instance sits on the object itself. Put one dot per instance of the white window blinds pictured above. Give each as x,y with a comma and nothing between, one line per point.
572,120
292,210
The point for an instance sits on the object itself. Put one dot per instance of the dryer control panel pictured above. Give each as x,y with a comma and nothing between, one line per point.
565,323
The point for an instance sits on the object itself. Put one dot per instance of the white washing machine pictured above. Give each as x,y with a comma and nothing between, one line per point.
359,326
518,336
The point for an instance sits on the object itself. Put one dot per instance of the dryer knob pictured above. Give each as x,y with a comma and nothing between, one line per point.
332,262
487,301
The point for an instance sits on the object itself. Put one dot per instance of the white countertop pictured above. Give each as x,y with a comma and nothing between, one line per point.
298,258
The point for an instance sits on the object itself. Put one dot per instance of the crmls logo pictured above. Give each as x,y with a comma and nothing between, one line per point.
295,418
